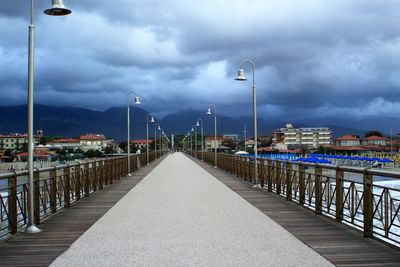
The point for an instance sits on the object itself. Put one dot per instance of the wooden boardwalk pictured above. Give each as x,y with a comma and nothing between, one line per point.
340,244
66,226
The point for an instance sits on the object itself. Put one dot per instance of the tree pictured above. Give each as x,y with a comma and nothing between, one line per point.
371,133
229,142
266,141
304,149
109,150
92,153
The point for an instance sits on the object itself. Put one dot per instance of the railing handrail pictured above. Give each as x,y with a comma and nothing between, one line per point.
360,170
58,167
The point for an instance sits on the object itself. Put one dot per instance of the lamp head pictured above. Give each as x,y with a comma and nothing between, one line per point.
152,119
240,76
209,111
198,124
137,100
57,9
192,129
159,128
163,133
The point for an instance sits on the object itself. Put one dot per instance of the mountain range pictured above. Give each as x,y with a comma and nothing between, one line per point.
70,122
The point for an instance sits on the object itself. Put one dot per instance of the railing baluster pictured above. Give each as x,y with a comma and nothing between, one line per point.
368,204
318,190
12,204
302,184
339,194
53,190
288,180
36,197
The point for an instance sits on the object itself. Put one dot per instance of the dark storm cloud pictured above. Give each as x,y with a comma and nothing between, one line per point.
314,58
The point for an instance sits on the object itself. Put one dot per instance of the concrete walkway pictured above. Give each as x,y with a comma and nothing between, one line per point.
180,215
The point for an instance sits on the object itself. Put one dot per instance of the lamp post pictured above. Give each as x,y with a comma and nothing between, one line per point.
136,102
57,9
156,128
202,137
195,140
215,131
241,77
191,142
147,135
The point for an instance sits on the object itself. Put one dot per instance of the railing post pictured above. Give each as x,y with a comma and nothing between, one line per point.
12,204
269,175
87,179
302,184
318,190
278,176
53,190
288,180
261,173
36,200
67,184
101,174
78,184
95,176
339,194
368,204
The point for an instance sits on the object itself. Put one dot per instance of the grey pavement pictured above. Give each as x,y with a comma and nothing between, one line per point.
180,215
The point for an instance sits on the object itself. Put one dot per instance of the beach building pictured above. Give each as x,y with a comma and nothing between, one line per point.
295,137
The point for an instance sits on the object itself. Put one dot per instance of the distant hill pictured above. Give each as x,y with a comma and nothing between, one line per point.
70,122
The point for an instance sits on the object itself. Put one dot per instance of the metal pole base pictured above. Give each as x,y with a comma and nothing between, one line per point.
129,174
32,229
148,164
256,186
215,167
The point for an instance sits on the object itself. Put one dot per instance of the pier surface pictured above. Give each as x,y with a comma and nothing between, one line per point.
180,215
180,211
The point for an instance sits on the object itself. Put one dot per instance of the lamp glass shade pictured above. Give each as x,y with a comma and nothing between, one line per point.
209,111
152,119
57,9
198,124
159,128
240,76
137,100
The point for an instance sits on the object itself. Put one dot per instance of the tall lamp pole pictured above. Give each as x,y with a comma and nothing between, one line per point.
215,131
136,102
57,9
202,137
191,142
147,135
195,139
156,128
241,77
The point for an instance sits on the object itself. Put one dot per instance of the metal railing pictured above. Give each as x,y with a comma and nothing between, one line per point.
57,187
358,197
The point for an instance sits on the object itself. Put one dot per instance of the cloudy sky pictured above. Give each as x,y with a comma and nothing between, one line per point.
313,58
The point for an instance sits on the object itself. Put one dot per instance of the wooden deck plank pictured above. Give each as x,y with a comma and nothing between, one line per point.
67,225
337,242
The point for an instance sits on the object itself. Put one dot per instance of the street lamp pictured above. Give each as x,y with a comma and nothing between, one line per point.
195,139
241,77
136,102
57,9
202,137
215,131
147,135
157,127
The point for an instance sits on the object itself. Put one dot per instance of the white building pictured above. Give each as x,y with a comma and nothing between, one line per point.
310,137
211,144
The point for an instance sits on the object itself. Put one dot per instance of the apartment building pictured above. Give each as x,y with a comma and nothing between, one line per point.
211,144
15,141
310,137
